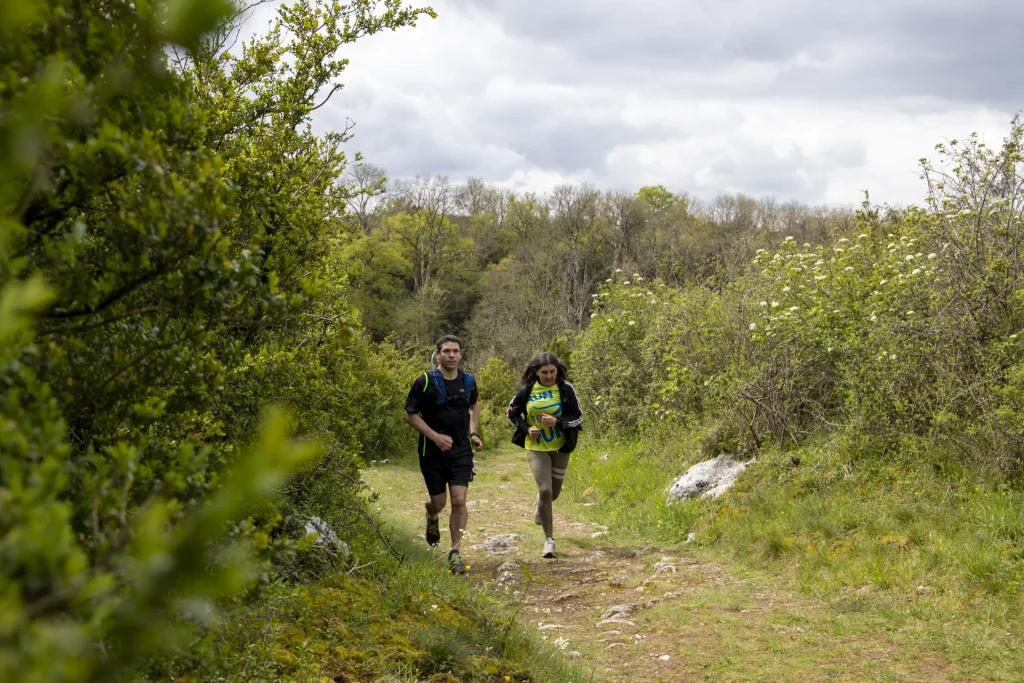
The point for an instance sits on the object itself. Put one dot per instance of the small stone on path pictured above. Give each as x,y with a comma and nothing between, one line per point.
624,610
499,545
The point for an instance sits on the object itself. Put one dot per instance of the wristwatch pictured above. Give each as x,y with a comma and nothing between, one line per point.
476,434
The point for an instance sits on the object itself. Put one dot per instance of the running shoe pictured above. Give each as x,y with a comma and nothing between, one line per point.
433,531
549,548
455,563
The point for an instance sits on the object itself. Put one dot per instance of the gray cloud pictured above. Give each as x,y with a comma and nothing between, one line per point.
800,99
955,50
759,170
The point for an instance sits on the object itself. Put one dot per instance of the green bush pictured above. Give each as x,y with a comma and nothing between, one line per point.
166,286
904,327
497,384
653,353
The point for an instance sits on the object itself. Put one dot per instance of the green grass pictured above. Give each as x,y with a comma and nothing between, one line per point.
916,545
388,622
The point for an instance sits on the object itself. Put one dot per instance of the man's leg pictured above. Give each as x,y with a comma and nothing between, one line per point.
435,504
434,479
460,514
460,473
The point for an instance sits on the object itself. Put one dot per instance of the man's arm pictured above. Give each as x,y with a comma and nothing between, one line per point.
474,426
442,441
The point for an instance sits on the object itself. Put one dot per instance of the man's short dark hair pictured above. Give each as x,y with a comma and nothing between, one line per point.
448,338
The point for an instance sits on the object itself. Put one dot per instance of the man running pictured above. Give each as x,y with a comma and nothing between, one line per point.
442,406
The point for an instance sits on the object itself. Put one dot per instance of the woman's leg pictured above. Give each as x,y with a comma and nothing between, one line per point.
559,464
540,463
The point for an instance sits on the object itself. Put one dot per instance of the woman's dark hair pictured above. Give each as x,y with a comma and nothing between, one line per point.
540,360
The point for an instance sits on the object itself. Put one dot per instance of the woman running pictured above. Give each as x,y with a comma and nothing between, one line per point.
547,416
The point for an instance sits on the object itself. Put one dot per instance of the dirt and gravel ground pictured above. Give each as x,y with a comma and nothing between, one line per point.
628,612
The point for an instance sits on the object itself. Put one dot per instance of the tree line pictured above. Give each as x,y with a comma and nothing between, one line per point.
513,270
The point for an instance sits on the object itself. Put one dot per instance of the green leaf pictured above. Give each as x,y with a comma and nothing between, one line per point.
14,14
19,302
185,22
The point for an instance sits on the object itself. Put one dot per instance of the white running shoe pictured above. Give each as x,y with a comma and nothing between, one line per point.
549,548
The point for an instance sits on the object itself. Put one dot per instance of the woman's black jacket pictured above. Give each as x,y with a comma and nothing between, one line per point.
570,421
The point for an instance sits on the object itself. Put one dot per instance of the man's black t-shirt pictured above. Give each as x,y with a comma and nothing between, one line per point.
450,418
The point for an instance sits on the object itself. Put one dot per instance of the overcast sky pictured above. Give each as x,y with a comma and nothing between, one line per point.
813,100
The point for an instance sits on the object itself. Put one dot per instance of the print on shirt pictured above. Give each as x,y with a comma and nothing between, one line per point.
544,401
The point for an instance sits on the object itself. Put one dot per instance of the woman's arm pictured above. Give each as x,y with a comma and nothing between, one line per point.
572,413
517,409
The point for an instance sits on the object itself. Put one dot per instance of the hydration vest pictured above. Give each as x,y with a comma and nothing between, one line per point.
438,381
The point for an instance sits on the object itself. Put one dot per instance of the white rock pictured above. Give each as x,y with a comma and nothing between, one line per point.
664,658
622,610
325,535
500,545
614,622
708,479
664,568
506,578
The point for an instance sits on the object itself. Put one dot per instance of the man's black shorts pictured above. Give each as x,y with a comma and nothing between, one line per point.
440,471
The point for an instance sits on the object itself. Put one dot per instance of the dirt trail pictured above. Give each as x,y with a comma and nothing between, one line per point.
628,613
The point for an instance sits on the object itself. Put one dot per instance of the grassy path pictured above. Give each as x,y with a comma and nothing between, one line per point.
639,613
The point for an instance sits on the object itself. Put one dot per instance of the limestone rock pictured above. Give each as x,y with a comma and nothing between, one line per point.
708,479
499,545
622,610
